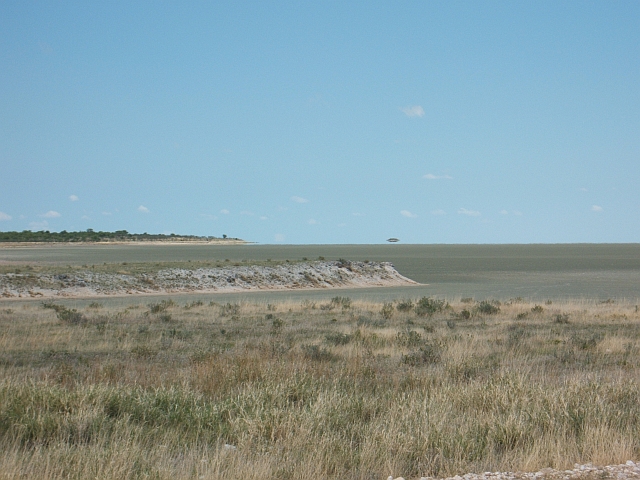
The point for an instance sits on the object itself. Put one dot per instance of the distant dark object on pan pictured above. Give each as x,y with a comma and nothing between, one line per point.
393,240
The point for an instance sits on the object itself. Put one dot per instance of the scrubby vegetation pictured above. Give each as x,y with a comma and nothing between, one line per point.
294,390
90,235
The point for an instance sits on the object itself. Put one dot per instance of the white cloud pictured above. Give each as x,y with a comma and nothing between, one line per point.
311,221
471,213
264,218
358,214
107,214
438,212
85,217
38,225
504,212
299,199
4,216
583,189
408,214
431,176
596,208
143,209
413,111
73,198
51,214
224,211
517,212
279,237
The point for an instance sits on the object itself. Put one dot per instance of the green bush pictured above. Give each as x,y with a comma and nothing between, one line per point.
66,315
488,308
404,305
277,325
429,306
387,311
409,338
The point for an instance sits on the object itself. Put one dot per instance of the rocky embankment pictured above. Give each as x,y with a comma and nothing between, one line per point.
579,472
325,274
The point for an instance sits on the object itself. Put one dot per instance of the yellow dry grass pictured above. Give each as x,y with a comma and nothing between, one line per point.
315,390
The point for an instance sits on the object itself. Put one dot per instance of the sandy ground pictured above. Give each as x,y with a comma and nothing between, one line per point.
312,275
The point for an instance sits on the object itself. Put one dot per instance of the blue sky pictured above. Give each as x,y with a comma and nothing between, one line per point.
323,122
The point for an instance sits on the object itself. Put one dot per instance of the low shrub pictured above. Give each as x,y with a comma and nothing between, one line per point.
404,305
66,315
344,302
387,311
161,307
428,306
229,309
426,355
409,338
277,325
317,353
338,338
488,308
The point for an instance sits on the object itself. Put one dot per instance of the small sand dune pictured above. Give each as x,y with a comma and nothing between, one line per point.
325,274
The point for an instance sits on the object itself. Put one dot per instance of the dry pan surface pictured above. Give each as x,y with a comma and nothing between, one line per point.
87,283
589,271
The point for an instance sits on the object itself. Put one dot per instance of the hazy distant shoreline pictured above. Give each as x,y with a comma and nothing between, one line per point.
220,241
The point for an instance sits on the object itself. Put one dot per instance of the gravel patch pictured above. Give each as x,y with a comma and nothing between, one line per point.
630,469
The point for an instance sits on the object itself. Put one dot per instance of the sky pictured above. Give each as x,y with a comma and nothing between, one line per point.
323,122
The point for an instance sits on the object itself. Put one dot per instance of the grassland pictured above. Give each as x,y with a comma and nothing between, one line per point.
334,388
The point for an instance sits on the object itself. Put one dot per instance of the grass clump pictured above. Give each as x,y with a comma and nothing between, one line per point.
426,355
161,306
342,302
338,338
561,318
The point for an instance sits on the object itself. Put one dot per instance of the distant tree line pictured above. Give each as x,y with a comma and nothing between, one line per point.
90,235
